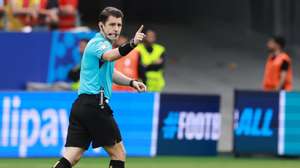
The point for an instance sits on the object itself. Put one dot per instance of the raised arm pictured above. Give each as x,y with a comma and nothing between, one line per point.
123,50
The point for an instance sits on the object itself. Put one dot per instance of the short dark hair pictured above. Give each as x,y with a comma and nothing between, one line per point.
279,40
110,11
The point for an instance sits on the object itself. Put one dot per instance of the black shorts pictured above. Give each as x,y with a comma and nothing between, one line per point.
89,122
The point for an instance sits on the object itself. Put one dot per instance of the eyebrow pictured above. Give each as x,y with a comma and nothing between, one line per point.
116,23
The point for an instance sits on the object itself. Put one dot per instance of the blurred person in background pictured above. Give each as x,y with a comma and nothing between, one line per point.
28,15
73,75
151,62
21,15
68,14
278,69
2,12
48,15
127,65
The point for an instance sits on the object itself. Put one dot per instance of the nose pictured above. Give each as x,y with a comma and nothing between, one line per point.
116,29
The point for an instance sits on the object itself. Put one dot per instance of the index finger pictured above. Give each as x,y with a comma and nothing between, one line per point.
140,29
144,88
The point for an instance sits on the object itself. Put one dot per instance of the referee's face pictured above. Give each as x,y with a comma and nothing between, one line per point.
111,28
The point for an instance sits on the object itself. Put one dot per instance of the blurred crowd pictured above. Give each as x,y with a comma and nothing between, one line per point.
39,15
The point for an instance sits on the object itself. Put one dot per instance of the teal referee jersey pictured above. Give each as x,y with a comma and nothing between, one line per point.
95,72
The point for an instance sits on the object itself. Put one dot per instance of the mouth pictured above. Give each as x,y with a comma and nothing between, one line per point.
113,35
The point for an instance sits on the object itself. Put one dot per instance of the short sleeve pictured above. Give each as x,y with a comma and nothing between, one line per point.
101,48
285,66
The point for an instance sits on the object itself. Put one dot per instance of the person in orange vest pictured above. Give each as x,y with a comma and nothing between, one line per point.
278,69
127,65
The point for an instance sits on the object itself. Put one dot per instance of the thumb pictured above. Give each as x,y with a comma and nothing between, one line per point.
140,29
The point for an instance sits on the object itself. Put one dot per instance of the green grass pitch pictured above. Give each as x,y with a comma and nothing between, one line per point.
162,162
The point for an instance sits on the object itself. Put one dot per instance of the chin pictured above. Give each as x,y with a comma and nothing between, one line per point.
113,38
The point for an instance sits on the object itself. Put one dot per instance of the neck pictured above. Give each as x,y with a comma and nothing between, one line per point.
148,44
277,52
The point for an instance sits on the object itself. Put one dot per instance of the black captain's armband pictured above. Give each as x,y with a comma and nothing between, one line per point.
126,48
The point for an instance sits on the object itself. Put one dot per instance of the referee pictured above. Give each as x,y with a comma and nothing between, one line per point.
91,119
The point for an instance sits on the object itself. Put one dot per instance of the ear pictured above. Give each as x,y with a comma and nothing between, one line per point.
100,24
